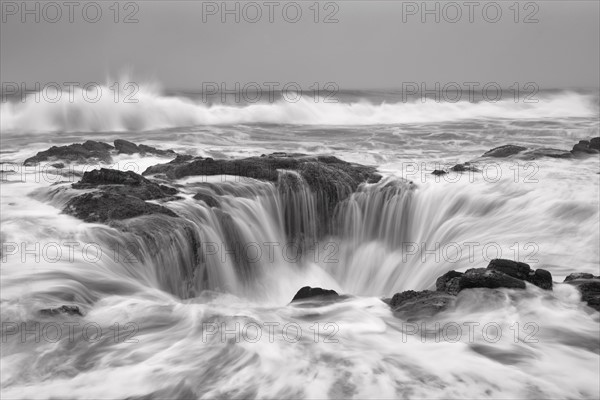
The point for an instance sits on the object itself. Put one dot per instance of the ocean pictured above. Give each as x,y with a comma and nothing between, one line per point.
199,306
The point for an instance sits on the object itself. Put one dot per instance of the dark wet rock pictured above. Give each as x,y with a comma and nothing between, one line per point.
374,178
123,182
105,207
519,270
127,147
579,275
90,151
587,147
504,151
546,152
449,282
489,278
589,287
210,201
412,305
438,172
69,310
328,177
464,168
308,292
118,195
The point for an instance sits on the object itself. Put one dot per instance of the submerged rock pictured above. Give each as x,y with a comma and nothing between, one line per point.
504,151
412,305
589,287
308,292
210,201
464,167
69,310
84,152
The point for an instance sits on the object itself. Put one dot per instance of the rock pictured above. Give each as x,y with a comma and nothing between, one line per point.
519,270
587,147
489,278
208,199
69,310
88,151
438,172
590,293
104,207
58,165
589,289
331,179
579,275
411,305
464,167
309,292
123,182
127,147
449,282
504,151
120,195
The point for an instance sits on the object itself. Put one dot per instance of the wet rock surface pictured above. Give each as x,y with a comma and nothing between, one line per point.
589,287
330,178
582,149
105,207
504,151
308,292
500,273
127,147
411,305
123,182
94,152
90,151
117,195
68,310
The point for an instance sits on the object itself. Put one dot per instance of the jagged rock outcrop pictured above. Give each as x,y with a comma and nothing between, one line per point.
500,273
119,195
127,147
90,151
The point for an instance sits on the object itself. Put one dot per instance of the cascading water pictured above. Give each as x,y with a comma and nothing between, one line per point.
174,287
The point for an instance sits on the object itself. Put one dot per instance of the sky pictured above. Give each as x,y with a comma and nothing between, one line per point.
355,44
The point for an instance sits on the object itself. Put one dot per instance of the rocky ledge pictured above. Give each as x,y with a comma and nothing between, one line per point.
94,152
117,195
500,273
581,150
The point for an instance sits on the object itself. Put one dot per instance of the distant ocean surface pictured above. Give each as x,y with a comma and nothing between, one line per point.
543,211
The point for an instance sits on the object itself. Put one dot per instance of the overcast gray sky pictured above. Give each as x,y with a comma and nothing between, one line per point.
374,44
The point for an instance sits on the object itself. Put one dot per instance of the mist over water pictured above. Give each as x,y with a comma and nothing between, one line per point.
170,285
